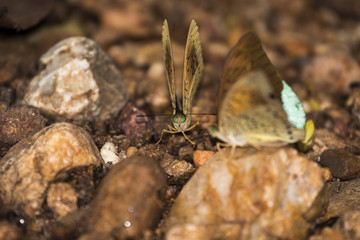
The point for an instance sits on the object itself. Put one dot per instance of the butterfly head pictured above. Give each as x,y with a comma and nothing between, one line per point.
181,122
213,130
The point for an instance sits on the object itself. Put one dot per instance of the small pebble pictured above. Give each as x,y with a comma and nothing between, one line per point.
17,123
186,152
131,151
342,164
156,70
135,124
200,157
109,153
327,174
178,168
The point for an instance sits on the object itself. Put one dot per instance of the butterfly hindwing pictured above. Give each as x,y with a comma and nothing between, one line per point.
193,67
251,114
169,65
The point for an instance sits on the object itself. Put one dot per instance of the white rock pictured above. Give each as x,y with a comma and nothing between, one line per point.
78,82
109,153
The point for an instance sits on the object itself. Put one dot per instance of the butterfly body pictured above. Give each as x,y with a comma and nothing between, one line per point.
252,98
193,68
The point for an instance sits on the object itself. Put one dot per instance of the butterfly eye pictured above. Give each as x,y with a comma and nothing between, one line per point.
175,119
213,130
183,118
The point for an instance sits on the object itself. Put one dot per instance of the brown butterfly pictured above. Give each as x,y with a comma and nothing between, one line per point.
193,68
255,106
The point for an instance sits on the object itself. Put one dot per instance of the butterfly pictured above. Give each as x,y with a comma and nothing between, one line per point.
255,106
193,68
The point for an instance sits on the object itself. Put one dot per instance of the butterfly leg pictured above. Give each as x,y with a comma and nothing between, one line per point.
233,147
219,149
257,147
186,137
171,130
193,126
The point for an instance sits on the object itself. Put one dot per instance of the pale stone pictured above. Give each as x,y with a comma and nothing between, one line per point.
259,193
109,153
78,82
29,166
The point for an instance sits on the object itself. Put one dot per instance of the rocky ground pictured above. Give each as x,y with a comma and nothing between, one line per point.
84,98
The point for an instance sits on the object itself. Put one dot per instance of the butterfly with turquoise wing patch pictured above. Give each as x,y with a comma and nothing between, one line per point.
255,106
193,68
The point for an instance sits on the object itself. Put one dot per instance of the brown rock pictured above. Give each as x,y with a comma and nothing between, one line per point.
332,72
29,166
22,14
9,231
343,197
132,19
14,66
354,103
18,123
200,157
128,201
6,95
349,225
328,234
323,139
342,164
61,199
186,152
348,8
134,123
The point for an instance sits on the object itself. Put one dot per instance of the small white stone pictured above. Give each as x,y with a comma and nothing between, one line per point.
109,153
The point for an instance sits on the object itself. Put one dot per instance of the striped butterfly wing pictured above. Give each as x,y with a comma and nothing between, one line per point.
193,67
248,55
169,65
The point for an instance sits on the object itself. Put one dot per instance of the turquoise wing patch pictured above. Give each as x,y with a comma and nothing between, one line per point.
293,107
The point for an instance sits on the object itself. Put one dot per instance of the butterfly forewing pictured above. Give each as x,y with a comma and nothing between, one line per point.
193,67
169,65
248,55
